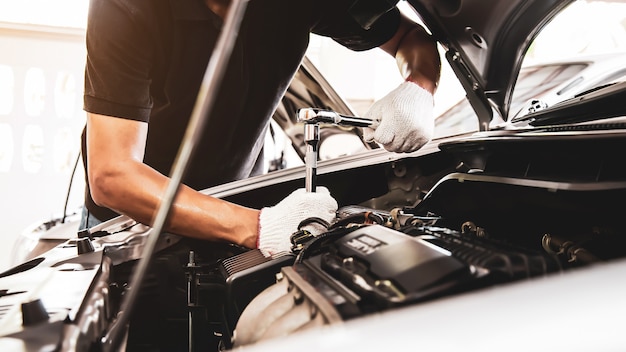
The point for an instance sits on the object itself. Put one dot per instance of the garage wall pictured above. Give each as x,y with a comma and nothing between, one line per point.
41,118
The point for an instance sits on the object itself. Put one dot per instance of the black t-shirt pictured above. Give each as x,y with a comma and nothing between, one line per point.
147,58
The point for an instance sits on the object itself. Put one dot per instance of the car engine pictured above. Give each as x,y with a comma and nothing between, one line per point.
490,220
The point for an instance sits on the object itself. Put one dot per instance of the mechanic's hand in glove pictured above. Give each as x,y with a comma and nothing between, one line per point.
405,117
278,223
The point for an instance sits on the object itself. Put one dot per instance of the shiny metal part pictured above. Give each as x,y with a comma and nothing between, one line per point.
312,115
312,138
312,119
291,304
535,105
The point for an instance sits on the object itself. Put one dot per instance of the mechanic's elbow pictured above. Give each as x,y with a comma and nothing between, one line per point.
103,190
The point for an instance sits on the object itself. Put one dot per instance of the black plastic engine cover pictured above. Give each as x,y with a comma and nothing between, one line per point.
392,267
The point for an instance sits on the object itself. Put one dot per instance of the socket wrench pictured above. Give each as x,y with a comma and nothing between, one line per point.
312,118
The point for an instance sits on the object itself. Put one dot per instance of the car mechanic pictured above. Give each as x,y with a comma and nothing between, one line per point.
145,63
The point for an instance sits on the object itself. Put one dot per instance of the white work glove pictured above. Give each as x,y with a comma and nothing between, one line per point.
405,119
278,223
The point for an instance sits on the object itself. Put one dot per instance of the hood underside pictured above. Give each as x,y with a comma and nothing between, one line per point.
485,43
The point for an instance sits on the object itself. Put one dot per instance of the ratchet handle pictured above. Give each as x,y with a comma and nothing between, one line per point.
314,115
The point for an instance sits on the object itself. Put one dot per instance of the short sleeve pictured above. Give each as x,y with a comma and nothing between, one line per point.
345,30
119,51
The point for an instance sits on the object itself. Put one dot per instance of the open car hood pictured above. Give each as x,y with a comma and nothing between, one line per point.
485,43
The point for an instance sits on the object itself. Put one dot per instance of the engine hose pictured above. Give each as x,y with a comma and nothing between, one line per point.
574,252
336,230
367,217
323,240
582,255
313,220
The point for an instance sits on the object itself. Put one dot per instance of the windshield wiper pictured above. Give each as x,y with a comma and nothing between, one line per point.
601,102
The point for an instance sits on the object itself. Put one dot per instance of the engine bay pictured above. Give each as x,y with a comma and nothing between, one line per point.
482,224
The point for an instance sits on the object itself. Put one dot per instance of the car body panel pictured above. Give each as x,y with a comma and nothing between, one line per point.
547,83
485,44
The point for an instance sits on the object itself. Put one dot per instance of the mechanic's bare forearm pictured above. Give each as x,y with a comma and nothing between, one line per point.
416,55
137,191
119,180
197,215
